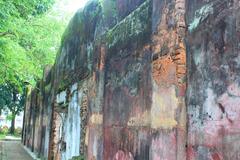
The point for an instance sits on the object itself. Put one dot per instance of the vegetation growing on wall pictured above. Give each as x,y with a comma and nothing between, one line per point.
127,31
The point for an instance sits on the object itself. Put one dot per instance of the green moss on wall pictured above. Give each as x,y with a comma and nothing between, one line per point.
109,8
82,21
78,158
47,88
63,84
134,28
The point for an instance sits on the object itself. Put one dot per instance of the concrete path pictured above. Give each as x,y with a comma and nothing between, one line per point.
13,150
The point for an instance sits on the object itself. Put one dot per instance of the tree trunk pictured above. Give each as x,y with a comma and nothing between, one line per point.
13,110
12,129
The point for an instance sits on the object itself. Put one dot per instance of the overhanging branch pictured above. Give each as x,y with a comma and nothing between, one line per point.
2,34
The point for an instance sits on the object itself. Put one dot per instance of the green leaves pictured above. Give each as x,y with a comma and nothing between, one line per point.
11,98
30,35
29,39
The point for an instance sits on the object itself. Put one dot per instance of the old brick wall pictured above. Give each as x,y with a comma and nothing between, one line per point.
144,79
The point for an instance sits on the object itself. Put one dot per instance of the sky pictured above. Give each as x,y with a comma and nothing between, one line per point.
72,5
65,9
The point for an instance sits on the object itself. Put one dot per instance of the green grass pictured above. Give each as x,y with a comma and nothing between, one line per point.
2,136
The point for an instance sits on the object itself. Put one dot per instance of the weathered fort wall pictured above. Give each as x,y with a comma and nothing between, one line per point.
142,80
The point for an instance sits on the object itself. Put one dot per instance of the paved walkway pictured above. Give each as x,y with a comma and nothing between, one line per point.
13,150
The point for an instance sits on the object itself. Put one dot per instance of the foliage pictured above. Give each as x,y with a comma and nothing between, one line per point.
29,39
9,117
12,98
2,136
4,130
30,33
78,158
18,132
5,97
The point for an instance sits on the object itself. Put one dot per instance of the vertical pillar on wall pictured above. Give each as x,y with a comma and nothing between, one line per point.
26,116
41,125
29,129
33,118
51,137
55,136
94,130
83,118
48,99
168,113
181,73
45,88
37,125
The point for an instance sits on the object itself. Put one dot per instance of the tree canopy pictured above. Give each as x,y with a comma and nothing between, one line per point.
30,35
29,38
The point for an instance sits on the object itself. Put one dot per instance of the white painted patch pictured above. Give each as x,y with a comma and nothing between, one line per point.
74,87
210,105
95,147
61,97
198,56
72,127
